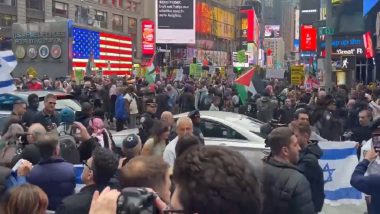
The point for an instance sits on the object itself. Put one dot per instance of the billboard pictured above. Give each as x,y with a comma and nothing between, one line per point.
368,5
272,31
308,38
345,45
147,27
309,11
249,26
175,22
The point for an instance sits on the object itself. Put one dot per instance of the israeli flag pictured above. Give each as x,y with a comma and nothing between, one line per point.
338,163
7,64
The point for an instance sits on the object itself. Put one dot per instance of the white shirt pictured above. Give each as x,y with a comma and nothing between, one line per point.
132,104
169,152
374,166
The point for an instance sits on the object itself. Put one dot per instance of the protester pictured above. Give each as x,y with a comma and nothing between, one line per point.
301,115
308,162
97,172
279,169
101,134
162,100
362,132
266,107
131,105
121,113
167,116
286,112
156,144
32,109
195,117
11,144
201,172
184,127
368,184
147,119
185,143
48,117
147,171
85,115
26,199
52,174
19,109
10,179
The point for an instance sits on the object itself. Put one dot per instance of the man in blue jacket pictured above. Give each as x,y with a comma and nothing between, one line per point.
370,184
52,174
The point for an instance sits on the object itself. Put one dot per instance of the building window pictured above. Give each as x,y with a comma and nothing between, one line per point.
33,20
101,18
8,2
35,4
132,25
81,14
60,9
117,22
7,20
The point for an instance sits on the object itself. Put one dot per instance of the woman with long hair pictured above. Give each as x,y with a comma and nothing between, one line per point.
156,144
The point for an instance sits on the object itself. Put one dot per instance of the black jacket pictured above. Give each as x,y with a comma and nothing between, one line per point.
286,190
48,121
27,118
78,203
308,164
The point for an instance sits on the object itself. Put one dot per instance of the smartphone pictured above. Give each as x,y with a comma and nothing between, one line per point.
17,165
376,142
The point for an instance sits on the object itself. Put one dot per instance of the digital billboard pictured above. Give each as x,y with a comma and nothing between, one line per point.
309,11
249,26
308,38
272,31
175,22
368,5
147,27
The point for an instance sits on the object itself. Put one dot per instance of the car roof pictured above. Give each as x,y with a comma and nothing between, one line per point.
40,93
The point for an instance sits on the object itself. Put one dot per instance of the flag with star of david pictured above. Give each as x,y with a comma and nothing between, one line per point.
338,163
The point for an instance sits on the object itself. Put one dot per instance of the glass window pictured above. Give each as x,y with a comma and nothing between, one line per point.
8,2
35,4
217,130
81,14
101,18
132,25
7,20
117,22
33,20
60,9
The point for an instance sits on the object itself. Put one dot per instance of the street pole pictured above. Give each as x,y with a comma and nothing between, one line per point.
328,39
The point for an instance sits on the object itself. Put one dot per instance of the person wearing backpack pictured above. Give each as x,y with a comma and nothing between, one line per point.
266,107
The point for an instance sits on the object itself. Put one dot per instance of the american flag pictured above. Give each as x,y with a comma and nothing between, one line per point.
111,52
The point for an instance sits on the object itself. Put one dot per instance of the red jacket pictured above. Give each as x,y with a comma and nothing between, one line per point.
34,86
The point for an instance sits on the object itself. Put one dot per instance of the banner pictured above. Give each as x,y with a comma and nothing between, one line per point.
7,64
175,22
338,162
297,75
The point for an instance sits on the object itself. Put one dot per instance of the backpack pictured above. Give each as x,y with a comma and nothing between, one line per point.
7,154
263,110
67,144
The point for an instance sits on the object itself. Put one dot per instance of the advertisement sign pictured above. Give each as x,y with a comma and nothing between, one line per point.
309,11
368,45
272,31
297,75
248,25
175,22
308,38
346,45
236,62
368,5
147,27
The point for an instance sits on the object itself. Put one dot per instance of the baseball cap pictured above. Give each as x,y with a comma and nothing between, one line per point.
150,101
131,141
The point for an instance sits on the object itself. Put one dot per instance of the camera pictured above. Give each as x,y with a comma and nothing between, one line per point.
134,200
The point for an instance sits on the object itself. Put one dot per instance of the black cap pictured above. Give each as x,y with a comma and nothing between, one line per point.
130,141
150,101
193,114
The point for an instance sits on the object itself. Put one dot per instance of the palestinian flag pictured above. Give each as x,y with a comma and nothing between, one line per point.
244,84
150,74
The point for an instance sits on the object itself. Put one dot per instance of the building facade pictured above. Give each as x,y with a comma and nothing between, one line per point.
277,49
118,16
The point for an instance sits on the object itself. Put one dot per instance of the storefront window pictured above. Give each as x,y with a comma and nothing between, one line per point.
8,2
101,17
117,22
35,4
7,20
60,9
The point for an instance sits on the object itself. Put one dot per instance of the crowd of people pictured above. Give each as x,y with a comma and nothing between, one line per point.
166,167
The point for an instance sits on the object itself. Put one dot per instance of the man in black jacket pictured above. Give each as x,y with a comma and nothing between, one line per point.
97,172
308,162
32,109
286,189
